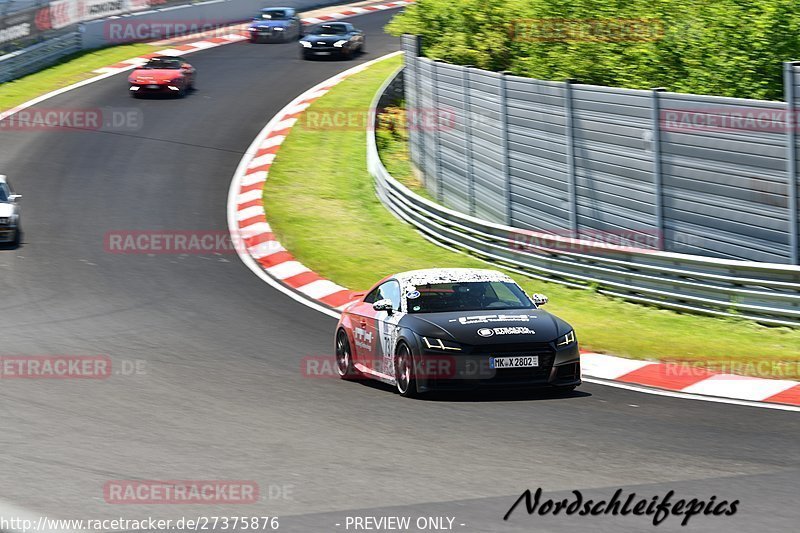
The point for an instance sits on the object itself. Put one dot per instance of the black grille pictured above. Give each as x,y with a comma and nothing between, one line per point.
570,371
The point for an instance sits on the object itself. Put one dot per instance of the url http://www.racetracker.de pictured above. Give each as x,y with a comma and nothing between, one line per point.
197,523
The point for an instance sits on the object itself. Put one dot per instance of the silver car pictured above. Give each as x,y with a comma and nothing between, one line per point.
9,214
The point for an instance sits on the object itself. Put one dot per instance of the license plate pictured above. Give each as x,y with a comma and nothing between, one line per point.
323,53
153,86
525,361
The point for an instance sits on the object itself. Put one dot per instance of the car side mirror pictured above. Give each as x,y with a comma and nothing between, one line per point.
539,299
14,197
383,305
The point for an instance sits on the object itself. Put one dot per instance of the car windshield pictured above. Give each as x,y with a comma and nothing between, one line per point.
469,296
274,14
3,193
331,29
163,63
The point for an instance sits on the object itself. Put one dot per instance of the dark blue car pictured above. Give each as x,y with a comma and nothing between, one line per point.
275,24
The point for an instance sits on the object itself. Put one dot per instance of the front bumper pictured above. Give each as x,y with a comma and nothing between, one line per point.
557,368
323,51
8,234
154,88
267,35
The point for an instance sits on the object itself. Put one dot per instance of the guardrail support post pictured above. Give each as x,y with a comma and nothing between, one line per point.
468,138
505,148
791,159
658,184
572,187
437,158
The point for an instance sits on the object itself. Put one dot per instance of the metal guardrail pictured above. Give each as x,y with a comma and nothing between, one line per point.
763,292
38,56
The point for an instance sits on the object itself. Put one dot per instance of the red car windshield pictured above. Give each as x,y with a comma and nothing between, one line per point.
169,64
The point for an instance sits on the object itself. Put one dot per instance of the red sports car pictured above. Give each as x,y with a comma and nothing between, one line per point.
162,75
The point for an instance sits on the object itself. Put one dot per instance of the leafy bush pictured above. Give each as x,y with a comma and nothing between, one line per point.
723,47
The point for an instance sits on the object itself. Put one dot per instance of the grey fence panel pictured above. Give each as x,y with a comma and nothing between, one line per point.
684,173
538,156
725,180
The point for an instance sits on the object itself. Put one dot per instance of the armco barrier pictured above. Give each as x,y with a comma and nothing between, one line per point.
764,292
38,56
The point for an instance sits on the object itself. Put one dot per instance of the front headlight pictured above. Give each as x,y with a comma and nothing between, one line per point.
339,44
567,339
439,344
305,44
278,28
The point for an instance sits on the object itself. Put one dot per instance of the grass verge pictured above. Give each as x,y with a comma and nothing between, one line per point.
72,69
321,204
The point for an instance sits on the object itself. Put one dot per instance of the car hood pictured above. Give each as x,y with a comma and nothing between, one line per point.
156,75
271,24
6,209
489,327
330,39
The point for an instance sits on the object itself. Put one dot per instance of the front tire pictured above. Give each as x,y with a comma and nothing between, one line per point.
344,357
404,373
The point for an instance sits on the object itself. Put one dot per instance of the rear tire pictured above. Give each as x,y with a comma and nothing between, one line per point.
344,357
404,373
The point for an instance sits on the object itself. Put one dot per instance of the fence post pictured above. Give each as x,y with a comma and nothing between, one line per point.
572,187
506,149
437,165
658,181
419,129
791,159
468,137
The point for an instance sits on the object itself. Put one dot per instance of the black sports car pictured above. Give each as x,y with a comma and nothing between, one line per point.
450,329
332,39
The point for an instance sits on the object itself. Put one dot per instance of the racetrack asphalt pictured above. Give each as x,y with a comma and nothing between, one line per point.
220,394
